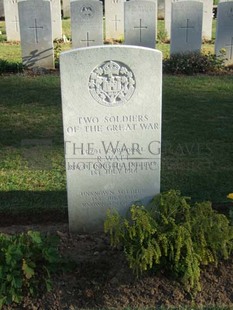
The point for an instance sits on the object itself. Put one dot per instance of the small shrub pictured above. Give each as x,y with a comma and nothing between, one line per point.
172,235
162,36
10,67
26,263
193,63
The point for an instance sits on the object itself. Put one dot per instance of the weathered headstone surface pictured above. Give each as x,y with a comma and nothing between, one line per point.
86,23
1,9
111,99
186,31
12,20
36,33
66,8
140,23
207,17
56,19
224,32
114,19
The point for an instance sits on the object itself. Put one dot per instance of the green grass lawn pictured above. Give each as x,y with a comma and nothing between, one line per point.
197,150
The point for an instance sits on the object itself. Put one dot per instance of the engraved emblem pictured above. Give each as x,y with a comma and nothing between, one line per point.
87,11
112,83
230,13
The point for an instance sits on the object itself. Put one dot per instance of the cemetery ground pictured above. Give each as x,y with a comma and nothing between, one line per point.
197,158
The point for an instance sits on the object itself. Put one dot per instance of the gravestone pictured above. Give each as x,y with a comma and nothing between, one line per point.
66,8
1,9
140,23
56,19
156,12
12,20
36,33
207,17
224,32
86,23
186,30
114,19
111,100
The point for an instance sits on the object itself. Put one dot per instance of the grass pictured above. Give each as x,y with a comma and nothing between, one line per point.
197,150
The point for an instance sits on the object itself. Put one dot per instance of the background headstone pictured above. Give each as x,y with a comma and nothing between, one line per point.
140,23
86,23
114,19
186,27
156,13
1,9
66,8
56,19
12,20
207,17
111,99
36,33
224,32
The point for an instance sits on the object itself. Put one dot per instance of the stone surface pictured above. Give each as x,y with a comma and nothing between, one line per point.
224,32
86,23
186,30
66,8
140,23
36,33
207,17
12,20
114,19
111,99
56,19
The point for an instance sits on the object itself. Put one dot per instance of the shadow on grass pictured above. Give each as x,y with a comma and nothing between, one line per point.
33,207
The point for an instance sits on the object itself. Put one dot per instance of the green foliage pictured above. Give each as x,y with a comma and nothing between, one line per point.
172,235
162,36
10,67
193,63
26,263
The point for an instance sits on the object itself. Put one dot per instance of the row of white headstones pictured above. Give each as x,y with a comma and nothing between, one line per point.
135,21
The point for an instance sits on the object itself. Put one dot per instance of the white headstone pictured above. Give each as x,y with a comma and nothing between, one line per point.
36,33
114,19
224,32
1,9
56,19
186,27
111,99
207,17
66,8
156,12
12,20
86,23
140,23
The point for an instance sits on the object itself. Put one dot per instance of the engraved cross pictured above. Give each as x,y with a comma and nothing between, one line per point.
35,27
116,22
231,48
87,40
140,27
187,27
16,21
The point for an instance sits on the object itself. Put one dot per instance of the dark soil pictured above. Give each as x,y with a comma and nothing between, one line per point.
102,279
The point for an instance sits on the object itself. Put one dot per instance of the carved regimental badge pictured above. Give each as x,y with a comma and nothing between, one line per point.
87,12
112,83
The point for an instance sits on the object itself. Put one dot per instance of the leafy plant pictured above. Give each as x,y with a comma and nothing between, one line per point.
10,67
172,235
26,263
193,63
